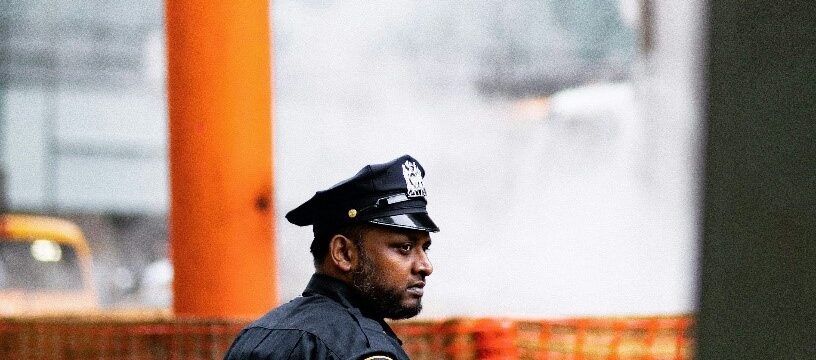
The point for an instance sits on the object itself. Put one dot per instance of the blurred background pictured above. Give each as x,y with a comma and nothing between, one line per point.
560,139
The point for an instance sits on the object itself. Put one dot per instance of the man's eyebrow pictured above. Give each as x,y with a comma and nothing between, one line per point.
415,238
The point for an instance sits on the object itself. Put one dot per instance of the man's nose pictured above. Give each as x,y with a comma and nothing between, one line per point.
423,265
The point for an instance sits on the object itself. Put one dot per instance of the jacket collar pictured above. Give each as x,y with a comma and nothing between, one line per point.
334,289
345,295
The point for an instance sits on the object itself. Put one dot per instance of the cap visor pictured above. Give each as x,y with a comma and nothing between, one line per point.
417,221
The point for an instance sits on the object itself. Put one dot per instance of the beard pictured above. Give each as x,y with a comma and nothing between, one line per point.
380,299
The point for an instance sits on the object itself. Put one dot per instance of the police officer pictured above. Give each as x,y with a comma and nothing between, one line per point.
371,237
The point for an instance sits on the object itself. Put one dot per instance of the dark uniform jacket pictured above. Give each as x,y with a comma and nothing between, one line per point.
325,323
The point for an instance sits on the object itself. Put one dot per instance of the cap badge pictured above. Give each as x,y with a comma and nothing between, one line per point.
413,179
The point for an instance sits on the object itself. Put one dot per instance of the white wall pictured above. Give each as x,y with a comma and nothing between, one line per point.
585,207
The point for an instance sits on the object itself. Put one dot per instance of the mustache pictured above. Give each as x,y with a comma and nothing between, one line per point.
417,284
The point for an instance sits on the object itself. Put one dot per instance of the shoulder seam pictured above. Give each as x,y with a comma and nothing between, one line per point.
262,340
334,353
292,351
300,339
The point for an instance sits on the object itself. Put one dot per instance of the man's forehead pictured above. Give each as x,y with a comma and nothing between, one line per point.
388,233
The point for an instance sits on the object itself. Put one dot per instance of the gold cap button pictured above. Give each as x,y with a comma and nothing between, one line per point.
352,213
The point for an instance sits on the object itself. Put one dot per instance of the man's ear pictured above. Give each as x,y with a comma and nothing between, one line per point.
342,253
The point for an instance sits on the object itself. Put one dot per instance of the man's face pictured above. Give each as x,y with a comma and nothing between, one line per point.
392,269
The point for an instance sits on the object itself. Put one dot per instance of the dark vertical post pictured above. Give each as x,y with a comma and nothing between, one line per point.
758,291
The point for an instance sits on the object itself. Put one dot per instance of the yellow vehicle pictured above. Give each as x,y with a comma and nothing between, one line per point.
45,266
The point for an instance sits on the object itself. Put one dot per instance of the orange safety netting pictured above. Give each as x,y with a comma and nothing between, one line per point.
655,338
164,337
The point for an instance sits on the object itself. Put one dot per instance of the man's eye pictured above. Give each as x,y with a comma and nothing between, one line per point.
406,248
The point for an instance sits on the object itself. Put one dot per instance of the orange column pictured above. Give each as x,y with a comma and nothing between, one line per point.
221,214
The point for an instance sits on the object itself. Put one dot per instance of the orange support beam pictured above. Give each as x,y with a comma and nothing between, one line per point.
221,213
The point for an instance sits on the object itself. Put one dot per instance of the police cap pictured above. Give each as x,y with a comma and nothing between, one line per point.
389,194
